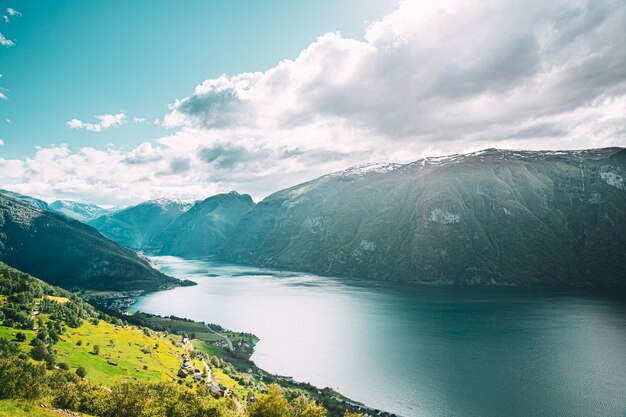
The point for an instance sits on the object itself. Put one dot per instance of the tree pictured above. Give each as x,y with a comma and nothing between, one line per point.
81,372
50,360
272,404
39,350
96,349
20,336
65,366
305,407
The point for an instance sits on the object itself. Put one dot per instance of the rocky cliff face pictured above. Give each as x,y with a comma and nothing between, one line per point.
490,217
68,253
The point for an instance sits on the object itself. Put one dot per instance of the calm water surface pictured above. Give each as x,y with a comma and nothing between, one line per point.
414,350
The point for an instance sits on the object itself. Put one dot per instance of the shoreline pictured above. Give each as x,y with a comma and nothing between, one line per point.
118,303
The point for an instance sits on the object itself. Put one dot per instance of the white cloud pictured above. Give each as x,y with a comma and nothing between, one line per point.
106,121
138,119
13,12
441,76
6,18
1,142
3,96
8,120
5,42
427,78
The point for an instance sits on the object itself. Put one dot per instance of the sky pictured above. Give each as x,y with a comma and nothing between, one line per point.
116,102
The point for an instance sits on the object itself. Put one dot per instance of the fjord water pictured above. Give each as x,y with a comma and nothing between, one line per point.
415,350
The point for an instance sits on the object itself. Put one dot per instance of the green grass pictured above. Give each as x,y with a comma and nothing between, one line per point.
162,359
9,333
132,349
12,408
206,348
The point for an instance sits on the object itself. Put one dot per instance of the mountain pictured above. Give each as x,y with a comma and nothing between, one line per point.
68,253
78,211
134,227
205,227
489,217
27,200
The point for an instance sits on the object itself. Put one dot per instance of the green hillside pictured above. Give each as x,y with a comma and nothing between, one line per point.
58,352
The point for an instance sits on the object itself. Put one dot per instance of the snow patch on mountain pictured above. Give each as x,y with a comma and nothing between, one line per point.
613,176
443,216
365,169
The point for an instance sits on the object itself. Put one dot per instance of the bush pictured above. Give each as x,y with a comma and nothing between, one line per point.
81,372
50,360
20,336
65,366
39,350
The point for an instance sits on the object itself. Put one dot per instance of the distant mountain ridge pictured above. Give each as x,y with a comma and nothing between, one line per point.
27,200
68,253
489,217
134,227
205,227
78,211
69,208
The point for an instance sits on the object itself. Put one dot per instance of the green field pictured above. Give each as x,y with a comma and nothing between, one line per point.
15,408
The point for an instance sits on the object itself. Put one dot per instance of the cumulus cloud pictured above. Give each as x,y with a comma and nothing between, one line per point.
106,121
3,96
5,42
436,76
1,142
428,78
13,12
138,119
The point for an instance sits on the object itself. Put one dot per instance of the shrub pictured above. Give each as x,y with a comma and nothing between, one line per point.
81,372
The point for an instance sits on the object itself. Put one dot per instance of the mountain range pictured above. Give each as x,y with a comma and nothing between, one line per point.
204,228
134,227
68,253
78,211
493,217
73,209
490,217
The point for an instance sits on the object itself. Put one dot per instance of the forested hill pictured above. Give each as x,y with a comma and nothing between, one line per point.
490,217
68,253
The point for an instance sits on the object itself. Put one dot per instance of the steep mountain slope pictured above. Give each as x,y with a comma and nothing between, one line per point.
205,227
134,227
78,211
27,200
491,217
68,253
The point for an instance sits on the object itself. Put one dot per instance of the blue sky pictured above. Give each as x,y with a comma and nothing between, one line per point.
115,102
76,59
